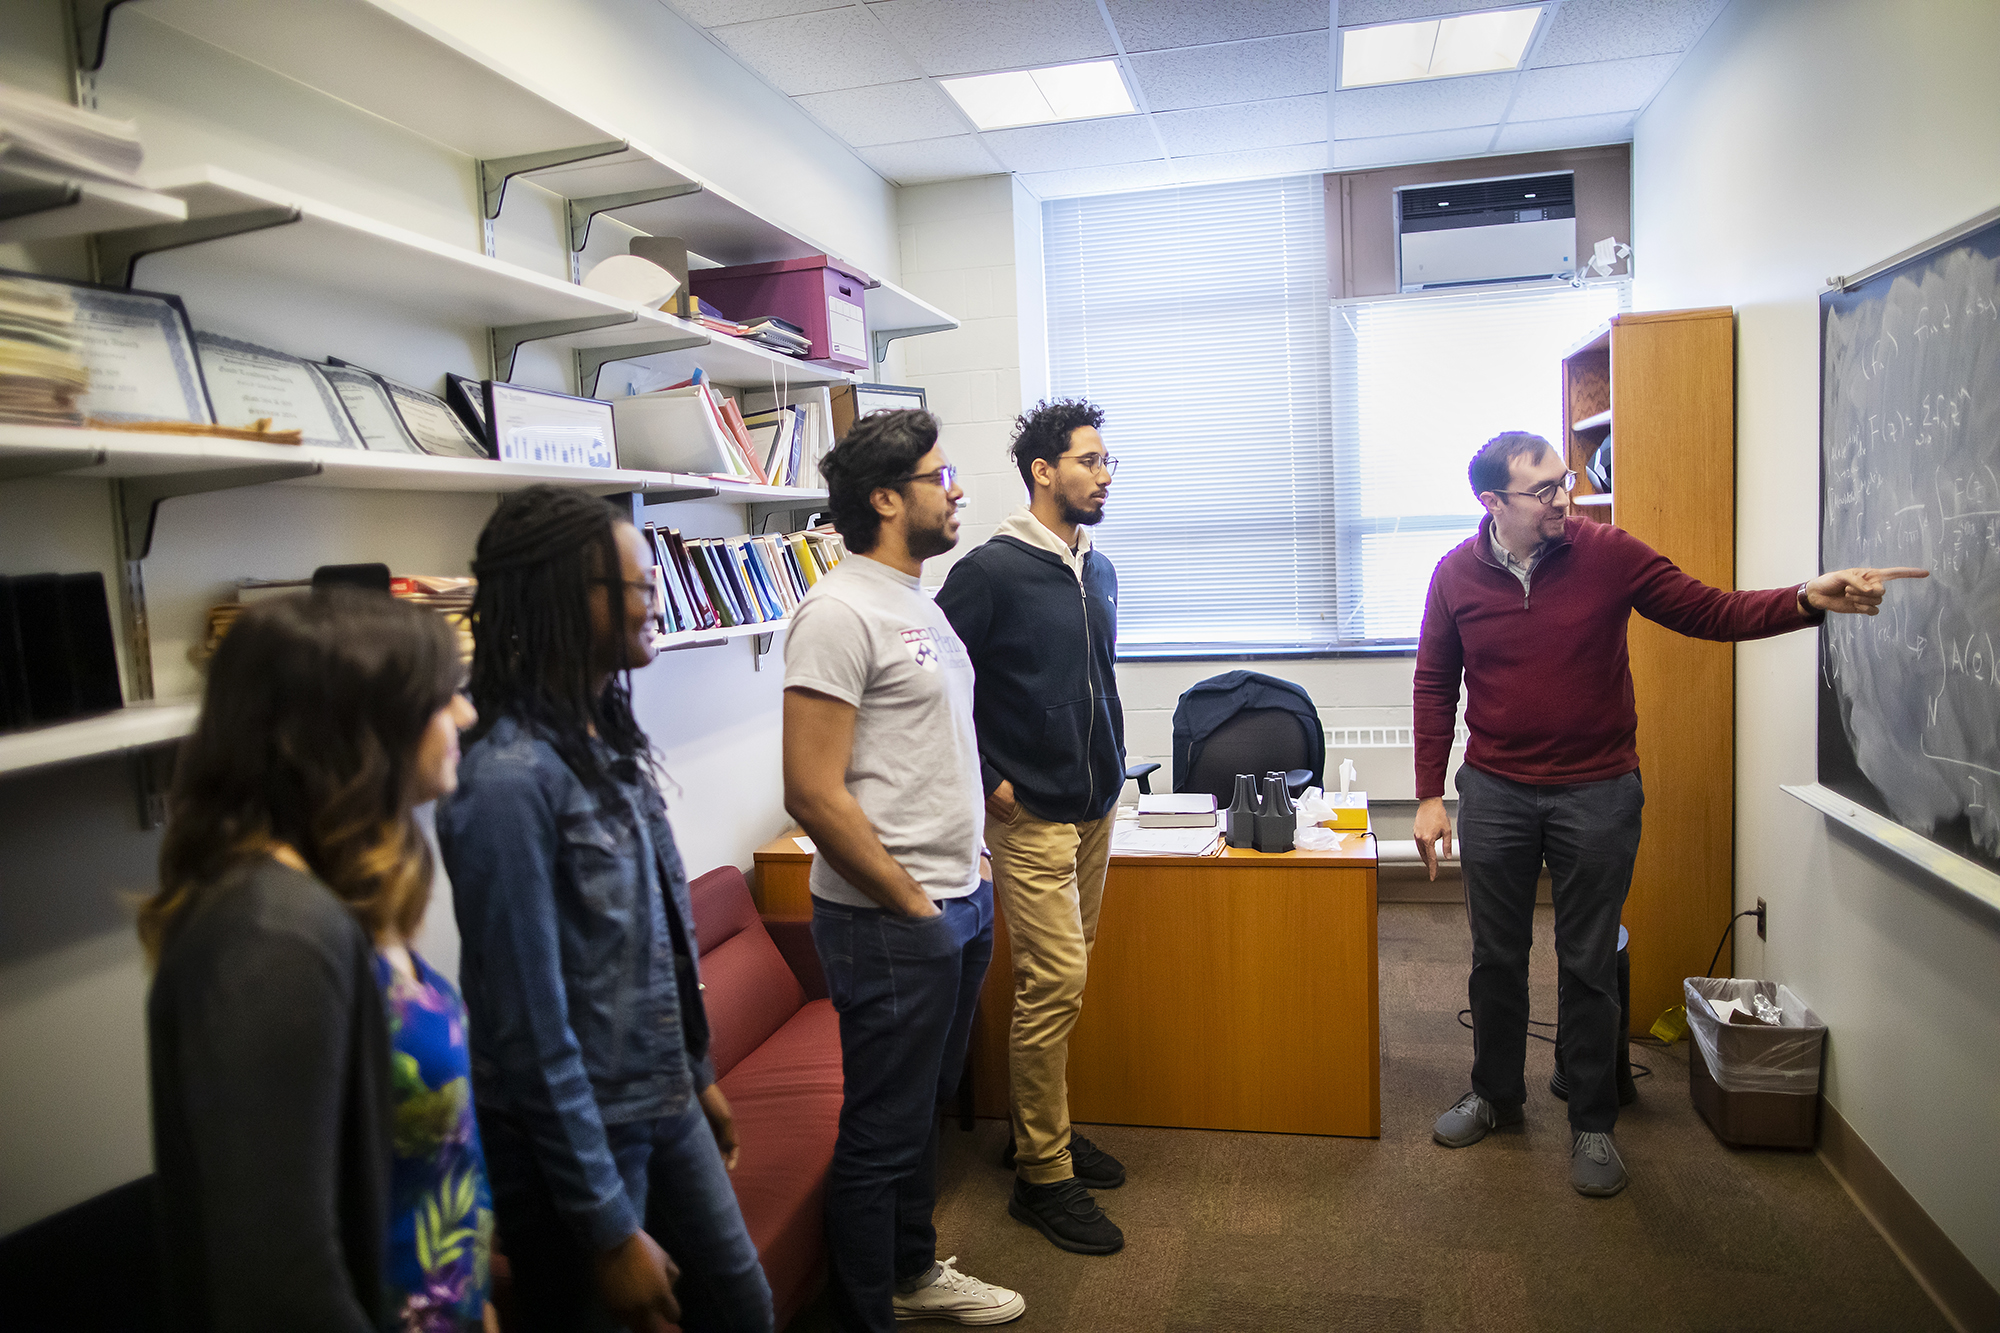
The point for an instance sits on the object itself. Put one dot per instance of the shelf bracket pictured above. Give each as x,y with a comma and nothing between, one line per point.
581,211
881,338
503,341
495,172
152,778
590,360
18,463
139,497
760,645
119,252
89,34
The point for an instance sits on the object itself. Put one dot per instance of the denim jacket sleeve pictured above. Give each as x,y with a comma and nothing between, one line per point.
501,862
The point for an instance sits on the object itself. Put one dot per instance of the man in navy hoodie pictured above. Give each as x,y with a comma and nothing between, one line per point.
1531,611
1037,609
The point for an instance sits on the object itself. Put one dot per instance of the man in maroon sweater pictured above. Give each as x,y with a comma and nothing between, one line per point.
1532,612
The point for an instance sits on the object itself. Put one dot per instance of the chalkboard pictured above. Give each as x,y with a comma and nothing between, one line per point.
1909,700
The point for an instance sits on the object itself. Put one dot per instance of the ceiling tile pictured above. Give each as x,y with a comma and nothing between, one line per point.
971,36
819,52
1589,90
714,13
1216,129
1079,143
1113,179
1254,164
1154,25
1535,136
930,160
1587,30
1218,75
1361,13
1415,108
1396,149
887,113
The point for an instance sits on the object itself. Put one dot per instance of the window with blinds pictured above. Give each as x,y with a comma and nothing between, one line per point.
1196,318
1287,481
1419,383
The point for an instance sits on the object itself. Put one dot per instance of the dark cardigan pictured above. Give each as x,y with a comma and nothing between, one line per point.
271,1111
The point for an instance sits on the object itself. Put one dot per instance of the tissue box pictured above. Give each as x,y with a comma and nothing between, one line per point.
1350,810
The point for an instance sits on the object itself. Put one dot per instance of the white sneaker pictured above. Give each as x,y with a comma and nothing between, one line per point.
960,1298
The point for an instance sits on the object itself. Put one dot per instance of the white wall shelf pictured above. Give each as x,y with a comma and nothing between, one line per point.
378,56
712,638
36,206
130,728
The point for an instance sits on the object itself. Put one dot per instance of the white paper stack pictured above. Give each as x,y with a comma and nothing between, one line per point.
1177,810
40,134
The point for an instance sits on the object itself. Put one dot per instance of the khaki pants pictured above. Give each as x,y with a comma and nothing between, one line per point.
1049,879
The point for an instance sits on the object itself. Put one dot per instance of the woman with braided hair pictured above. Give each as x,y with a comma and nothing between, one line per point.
608,1143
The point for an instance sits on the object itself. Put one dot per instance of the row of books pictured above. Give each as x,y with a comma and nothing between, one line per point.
718,582
448,595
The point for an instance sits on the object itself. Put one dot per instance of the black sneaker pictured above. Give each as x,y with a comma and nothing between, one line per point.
1096,1168
1067,1215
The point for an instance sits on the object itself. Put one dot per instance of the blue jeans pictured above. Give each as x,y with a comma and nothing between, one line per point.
1589,835
674,1177
905,992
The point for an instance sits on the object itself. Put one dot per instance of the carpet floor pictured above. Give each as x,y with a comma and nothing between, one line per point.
1271,1233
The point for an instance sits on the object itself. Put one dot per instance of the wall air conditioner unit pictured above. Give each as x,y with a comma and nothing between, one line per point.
1484,231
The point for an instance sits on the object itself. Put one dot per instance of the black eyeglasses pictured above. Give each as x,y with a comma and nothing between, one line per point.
649,586
1092,462
946,476
1548,492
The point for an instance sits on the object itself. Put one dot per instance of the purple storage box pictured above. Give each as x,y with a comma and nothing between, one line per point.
825,301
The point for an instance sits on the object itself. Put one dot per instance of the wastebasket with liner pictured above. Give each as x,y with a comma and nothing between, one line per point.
1756,1085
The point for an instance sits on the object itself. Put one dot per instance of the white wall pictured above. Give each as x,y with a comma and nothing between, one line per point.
1803,138
73,1101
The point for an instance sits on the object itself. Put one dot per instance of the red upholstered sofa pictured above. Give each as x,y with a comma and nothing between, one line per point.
775,1041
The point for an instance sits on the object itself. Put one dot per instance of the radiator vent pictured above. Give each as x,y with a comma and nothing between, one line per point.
1380,738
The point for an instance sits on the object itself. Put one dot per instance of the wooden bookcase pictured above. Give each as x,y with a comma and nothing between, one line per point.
1667,379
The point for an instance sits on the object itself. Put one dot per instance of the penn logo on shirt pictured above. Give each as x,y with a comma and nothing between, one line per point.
921,647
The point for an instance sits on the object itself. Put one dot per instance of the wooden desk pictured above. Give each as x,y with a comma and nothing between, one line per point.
1228,992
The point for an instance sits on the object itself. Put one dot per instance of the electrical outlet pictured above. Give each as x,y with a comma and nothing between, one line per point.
1763,918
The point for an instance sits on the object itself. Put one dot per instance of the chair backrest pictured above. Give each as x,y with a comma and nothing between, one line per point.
1255,741
750,991
1209,706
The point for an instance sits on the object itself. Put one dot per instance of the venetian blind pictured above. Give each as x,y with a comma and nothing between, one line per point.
1196,318
1419,383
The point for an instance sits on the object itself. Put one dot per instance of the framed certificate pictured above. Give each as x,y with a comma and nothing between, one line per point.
140,352
537,426
247,382
369,408
435,427
469,401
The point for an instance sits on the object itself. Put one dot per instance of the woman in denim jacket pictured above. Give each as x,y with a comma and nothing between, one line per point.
605,1134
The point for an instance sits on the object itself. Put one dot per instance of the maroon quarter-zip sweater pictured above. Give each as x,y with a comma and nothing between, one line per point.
1548,682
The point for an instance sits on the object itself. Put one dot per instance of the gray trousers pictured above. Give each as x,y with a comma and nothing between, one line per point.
1588,834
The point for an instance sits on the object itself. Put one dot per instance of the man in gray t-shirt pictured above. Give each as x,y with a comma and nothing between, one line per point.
882,769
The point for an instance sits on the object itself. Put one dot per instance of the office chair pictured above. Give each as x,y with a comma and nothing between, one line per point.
1143,775
1255,741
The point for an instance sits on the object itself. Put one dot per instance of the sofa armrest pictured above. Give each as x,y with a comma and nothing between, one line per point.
793,936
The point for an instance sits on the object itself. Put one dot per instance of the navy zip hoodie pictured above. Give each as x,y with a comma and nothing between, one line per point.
1043,635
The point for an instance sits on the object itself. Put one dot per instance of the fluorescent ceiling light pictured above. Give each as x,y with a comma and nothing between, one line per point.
1038,96
1436,48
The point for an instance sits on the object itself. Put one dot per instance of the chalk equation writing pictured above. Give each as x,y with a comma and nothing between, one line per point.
1910,475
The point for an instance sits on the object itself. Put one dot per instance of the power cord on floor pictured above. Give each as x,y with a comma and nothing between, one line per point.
1465,1021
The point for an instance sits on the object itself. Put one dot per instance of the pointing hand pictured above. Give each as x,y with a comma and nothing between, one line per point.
1855,591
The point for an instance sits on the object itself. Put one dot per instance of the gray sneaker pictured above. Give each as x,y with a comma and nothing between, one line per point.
1594,1166
1466,1123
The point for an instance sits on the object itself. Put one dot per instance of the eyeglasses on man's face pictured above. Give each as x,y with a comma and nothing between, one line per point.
1548,491
1092,462
946,476
649,587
